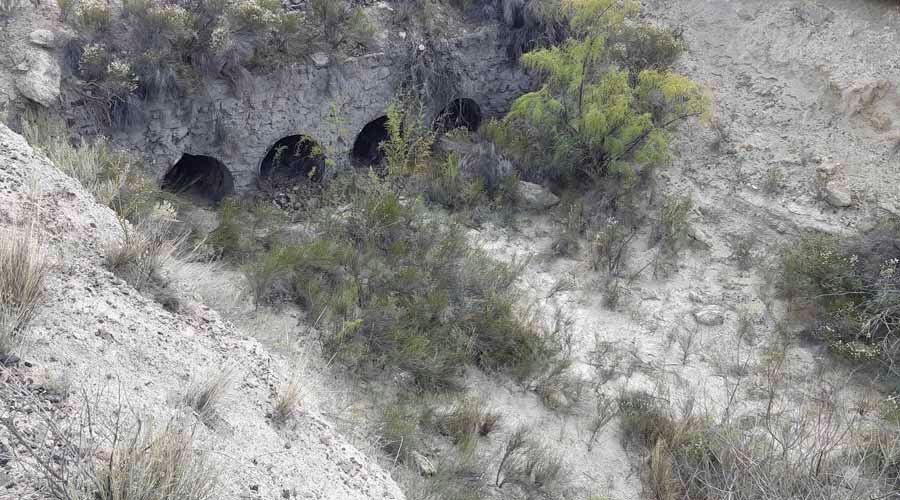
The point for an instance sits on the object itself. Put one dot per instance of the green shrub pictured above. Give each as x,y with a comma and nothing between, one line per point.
850,291
467,420
670,232
245,228
399,429
591,120
640,47
392,289
269,275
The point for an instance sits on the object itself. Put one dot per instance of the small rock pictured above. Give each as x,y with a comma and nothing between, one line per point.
320,59
710,316
423,465
837,194
43,38
536,197
813,13
696,297
699,236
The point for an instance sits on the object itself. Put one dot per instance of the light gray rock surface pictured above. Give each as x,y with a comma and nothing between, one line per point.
710,316
104,335
535,196
40,81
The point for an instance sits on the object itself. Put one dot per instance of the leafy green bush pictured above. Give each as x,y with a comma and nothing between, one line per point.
591,120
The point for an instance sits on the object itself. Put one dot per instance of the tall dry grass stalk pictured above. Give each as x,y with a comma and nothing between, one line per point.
23,269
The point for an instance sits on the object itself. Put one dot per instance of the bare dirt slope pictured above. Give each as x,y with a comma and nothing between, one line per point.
794,85
101,335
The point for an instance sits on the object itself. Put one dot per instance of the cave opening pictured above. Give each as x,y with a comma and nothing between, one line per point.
367,147
202,178
293,158
460,113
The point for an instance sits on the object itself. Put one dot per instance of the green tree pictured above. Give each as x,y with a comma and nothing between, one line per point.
590,118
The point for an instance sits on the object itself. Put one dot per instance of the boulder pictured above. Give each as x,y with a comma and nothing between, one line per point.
423,464
536,197
837,194
710,316
320,59
40,82
832,185
43,38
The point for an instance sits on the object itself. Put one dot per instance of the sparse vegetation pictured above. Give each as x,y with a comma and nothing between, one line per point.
146,50
206,392
23,270
146,247
528,464
774,181
848,290
399,430
467,420
121,455
671,230
102,171
286,401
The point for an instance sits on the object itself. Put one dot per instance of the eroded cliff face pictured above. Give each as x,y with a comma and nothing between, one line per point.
328,101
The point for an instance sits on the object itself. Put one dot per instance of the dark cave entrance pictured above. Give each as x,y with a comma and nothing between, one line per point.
367,147
199,177
461,113
293,158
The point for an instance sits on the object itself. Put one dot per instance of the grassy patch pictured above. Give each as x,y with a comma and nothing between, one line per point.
23,269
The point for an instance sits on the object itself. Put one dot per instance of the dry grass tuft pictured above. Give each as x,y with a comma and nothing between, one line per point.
146,247
468,420
286,401
206,393
23,269
109,453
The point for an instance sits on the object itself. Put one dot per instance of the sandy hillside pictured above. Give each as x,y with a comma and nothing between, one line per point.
103,337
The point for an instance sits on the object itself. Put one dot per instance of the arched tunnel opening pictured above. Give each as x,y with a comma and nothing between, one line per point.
199,177
460,113
367,147
293,158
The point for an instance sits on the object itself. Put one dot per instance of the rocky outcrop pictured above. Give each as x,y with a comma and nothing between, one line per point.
105,336
39,78
833,186
327,100
535,196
